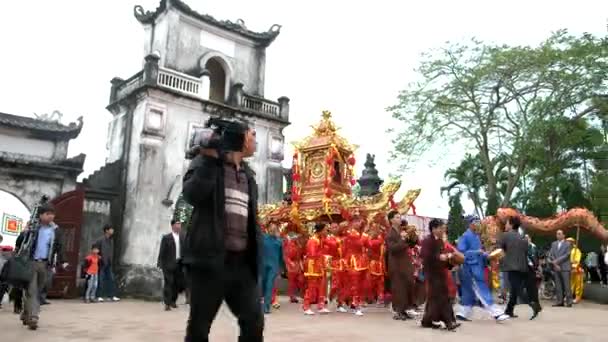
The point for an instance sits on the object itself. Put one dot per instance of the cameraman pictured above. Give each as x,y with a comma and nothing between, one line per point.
222,251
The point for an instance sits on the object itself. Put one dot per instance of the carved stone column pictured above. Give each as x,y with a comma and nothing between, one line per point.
236,95
151,69
288,173
205,84
116,83
284,107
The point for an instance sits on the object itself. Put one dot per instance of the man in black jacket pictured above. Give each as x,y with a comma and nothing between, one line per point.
45,244
515,263
169,261
222,250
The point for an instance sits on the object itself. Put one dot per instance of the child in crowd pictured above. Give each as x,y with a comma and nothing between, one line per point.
91,269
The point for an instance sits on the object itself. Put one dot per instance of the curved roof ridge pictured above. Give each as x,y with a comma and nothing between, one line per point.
69,131
262,38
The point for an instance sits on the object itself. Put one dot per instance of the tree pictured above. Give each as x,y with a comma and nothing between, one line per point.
183,212
488,97
456,223
467,177
558,163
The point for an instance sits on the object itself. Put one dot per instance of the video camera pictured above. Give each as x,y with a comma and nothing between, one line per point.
220,134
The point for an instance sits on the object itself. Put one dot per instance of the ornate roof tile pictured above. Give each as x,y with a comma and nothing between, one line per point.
262,38
48,128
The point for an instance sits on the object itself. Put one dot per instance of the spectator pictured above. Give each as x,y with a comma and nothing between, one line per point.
591,261
107,287
602,265
3,258
559,257
169,261
91,269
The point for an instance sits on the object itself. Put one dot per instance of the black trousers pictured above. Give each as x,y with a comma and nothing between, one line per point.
3,291
517,282
173,285
236,285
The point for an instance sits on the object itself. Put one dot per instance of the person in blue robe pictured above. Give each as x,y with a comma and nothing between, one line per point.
474,288
273,263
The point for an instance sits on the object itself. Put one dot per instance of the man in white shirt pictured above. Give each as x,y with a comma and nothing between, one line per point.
169,257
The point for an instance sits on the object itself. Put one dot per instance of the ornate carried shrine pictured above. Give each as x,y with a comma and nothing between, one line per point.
323,175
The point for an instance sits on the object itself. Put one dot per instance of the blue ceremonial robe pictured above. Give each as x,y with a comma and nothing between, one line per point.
472,281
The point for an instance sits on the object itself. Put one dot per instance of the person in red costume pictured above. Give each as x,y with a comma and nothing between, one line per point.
341,274
331,251
292,254
377,251
314,271
355,244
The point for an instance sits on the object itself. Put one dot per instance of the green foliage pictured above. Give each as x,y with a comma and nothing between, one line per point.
467,177
496,99
599,195
356,190
456,222
183,212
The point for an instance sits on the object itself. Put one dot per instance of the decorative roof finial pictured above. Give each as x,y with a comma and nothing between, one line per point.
55,116
326,115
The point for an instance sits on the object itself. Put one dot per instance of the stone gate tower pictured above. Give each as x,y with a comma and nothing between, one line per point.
194,66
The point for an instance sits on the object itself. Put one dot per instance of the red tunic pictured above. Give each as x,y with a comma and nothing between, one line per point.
313,265
331,248
355,244
292,254
376,256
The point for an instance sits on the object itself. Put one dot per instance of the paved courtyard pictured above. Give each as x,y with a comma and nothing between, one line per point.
132,320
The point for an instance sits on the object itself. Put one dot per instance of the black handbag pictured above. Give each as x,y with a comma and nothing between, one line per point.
18,271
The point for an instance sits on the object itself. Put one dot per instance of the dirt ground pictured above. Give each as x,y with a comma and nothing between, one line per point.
132,320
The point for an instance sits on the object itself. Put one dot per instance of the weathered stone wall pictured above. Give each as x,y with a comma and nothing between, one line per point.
116,136
190,41
30,188
17,142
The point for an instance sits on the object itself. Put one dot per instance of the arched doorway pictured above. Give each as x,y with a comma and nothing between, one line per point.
13,218
217,80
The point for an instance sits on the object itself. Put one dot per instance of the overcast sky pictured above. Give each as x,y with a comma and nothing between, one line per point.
350,57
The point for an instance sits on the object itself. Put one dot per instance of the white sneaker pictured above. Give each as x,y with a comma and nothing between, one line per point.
115,299
342,309
324,311
412,313
502,318
100,300
309,312
359,313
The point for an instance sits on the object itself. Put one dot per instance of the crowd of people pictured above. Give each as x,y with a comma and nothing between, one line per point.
352,265
43,245
355,264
